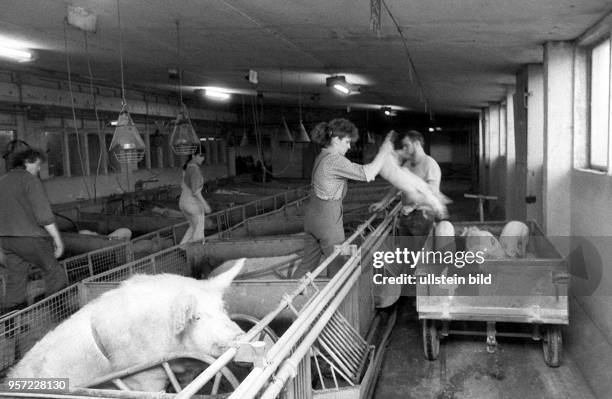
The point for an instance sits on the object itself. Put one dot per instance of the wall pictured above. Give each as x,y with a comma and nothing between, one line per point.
36,109
549,139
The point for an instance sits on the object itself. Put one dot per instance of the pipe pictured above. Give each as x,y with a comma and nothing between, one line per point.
379,355
289,366
306,313
258,376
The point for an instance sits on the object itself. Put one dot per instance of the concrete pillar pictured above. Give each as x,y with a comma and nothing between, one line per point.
535,142
231,161
493,148
481,152
222,151
501,169
512,199
558,109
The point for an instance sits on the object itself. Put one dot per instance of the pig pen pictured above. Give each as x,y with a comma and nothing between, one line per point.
288,305
531,290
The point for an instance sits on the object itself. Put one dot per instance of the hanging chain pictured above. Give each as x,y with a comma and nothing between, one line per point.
123,102
178,57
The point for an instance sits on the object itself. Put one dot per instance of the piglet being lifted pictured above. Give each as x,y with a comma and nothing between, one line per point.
145,318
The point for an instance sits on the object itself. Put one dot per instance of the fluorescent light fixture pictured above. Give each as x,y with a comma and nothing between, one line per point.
339,83
342,89
389,111
431,129
18,55
113,123
216,94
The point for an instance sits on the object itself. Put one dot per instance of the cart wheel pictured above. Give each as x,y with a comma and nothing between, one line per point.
553,346
431,339
246,322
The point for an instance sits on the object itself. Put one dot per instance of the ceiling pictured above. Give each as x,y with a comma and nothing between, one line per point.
464,52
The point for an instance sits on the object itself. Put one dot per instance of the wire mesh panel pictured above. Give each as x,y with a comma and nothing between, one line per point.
19,331
77,268
108,258
173,260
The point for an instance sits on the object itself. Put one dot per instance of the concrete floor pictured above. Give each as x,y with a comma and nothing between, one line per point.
465,370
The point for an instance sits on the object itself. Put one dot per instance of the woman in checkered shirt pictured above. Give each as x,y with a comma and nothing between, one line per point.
331,171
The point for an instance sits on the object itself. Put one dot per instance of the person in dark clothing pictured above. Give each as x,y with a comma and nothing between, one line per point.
323,221
28,233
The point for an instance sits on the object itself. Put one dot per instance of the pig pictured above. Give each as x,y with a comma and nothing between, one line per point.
145,318
122,233
445,236
514,239
477,240
415,188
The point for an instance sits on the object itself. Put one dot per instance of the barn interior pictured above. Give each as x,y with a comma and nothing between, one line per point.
513,98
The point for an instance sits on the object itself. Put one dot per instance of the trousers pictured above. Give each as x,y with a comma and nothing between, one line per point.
324,227
20,253
194,213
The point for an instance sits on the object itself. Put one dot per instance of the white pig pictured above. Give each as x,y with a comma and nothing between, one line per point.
145,318
415,188
514,239
477,240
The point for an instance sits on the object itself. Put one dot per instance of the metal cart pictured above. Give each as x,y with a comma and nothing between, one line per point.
527,290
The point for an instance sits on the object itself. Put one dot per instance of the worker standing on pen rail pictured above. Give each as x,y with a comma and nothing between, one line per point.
323,220
28,233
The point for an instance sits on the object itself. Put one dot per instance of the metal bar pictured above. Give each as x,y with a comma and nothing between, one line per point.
257,378
316,359
289,366
339,358
339,346
355,342
172,377
335,368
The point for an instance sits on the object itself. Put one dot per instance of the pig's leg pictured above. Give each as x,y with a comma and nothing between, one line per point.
153,380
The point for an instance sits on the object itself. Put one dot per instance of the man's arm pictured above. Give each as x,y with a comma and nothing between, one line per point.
57,239
43,213
434,177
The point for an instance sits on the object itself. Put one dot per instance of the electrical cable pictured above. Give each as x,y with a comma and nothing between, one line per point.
259,143
101,140
72,107
412,68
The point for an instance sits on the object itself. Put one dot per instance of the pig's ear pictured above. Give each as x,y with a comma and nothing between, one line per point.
183,312
223,280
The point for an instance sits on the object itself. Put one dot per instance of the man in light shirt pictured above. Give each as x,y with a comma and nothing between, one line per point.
417,220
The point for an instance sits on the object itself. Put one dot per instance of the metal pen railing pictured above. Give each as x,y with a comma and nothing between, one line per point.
91,263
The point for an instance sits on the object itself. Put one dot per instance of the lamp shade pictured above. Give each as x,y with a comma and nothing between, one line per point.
127,145
184,140
244,142
302,136
285,134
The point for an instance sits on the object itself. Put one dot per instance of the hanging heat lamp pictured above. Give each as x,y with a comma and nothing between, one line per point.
302,136
244,141
184,140
285,135
126,145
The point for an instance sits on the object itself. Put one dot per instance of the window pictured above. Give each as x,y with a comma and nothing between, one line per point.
5,137
78,162
55,153
600,105
95,160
